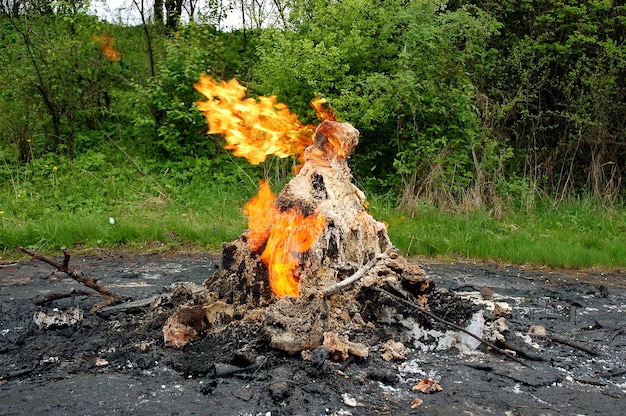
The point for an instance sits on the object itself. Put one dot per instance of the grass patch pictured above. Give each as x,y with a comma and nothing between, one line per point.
576,234
47,209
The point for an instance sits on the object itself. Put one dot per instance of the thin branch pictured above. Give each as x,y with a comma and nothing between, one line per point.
573,344
453,325
106,293
356,276
614,373
144,24
56,296
134,162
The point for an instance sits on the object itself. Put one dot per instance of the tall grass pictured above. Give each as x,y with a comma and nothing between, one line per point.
576,234
94,202
108,202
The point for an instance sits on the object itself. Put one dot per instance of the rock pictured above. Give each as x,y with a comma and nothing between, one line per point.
393,350
279,384
348,400
57,318
340,348
184,326
319,355
427,386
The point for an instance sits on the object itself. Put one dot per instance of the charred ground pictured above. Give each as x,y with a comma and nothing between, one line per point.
115,362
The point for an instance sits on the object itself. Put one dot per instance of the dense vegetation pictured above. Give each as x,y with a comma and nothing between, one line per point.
476,116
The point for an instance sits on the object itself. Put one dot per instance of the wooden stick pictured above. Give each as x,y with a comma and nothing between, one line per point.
356,276
452,324
88,281
56,296
614,373
573,344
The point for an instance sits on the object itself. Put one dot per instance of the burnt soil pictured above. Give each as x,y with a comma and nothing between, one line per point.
114,361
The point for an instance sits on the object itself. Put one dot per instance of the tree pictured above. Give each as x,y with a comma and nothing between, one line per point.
180,128
57,67
405,74
158,13
560,92
174,11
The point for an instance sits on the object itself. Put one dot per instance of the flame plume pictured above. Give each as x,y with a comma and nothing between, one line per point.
254,129
106,47
286,235
257,210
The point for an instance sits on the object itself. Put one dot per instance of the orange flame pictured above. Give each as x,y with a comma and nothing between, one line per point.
288,234
291,234
254,129
106,46
323,113
257,210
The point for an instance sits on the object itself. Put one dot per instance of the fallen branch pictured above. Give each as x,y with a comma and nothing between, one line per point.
356,276
452,324
106,293
57,295
615,335
227,370
18,373
522,351
614,373
570,343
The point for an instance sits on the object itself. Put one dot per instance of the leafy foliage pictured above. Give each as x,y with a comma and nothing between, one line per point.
171,97
560,92
508,105
513,106
405,74
59,81
166,108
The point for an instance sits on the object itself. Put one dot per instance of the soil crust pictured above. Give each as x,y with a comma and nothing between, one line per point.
56,358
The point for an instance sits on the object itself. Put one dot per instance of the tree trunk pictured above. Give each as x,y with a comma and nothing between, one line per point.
158,13
174,9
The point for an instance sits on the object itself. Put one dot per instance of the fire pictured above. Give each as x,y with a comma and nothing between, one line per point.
258,212
323,113
291,234
254,129
106,46
288,234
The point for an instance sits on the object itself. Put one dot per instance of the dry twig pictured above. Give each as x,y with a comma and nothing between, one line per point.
573,344
452,324
56,296
356,276
106,293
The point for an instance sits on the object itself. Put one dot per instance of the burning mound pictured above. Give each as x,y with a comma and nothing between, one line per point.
305,265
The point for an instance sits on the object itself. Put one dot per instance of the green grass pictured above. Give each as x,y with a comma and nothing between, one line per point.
578,234
49,209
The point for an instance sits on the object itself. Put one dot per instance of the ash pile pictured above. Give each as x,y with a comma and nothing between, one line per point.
317,272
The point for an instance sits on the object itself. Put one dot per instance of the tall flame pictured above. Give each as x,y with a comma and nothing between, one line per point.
257,210
254,129
287,235
291,234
